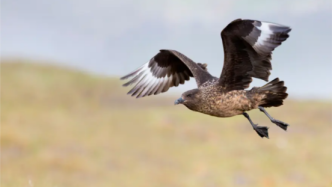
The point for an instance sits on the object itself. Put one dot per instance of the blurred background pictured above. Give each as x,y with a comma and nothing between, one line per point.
67,121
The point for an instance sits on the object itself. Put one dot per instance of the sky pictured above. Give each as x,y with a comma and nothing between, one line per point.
115,37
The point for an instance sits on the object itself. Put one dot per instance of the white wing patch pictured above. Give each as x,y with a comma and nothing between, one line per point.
147,83
265,33
270,37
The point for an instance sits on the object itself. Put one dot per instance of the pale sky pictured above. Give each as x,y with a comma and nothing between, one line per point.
116,37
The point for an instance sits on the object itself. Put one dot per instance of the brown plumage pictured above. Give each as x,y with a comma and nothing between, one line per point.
248,46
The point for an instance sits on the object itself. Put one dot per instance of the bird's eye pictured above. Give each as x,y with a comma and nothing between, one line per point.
189,95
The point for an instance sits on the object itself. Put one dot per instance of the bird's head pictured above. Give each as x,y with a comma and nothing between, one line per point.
189,98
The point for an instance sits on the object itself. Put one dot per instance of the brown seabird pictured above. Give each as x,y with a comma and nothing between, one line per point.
248,45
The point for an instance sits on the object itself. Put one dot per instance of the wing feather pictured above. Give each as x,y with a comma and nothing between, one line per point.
248,46
166,69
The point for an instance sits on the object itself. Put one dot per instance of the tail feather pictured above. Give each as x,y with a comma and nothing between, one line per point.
274,93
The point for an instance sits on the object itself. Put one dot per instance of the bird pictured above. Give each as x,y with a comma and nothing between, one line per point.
248,46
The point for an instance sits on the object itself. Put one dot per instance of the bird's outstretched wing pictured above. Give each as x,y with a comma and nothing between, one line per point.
166,69
248,46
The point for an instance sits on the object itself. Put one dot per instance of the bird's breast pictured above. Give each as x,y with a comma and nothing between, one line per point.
225,104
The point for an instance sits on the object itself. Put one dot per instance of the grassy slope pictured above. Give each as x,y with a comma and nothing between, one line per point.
60,127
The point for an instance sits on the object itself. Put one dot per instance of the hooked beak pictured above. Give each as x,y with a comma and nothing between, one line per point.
179,101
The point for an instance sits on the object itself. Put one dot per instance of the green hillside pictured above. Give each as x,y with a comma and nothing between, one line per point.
66,128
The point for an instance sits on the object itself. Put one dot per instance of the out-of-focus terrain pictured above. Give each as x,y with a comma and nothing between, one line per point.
62,127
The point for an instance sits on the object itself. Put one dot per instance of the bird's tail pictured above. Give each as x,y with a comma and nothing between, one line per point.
273,93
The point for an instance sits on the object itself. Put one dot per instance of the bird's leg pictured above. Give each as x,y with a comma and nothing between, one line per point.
281,124
261,130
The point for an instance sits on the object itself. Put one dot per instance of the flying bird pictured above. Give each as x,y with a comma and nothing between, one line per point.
248,46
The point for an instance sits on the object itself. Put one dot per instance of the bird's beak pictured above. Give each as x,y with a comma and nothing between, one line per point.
179,101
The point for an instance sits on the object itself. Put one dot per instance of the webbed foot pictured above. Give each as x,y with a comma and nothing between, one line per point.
262,131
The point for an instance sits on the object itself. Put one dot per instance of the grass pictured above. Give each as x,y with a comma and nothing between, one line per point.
62,127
